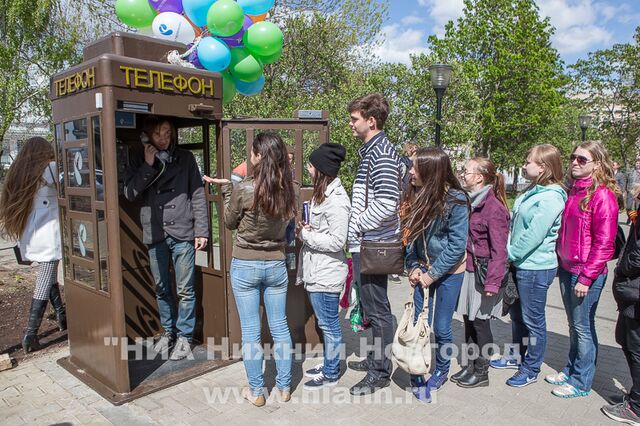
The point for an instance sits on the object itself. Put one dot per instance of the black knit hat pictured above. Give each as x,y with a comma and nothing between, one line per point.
327,158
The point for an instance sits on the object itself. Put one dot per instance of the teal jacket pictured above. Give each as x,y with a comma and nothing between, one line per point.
535,221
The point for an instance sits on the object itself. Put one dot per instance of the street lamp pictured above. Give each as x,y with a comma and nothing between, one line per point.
585,121
440,78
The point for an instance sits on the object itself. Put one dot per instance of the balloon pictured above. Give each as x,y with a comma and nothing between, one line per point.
244,67
193,57
250,89
171,26
213,54
228,88
135,13
235,40
197,10
271,58
167,5
225,18
263,38
259,18
256,7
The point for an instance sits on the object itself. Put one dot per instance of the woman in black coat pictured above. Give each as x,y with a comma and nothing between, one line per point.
626,291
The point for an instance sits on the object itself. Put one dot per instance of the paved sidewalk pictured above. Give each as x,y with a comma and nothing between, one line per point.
41,392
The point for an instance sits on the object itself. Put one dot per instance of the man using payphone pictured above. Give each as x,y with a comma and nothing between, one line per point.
175,224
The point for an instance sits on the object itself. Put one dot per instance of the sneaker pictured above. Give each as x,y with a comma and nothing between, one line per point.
181,350
258,401
522,379
436,381
569,391
319,382
504,364
368,385
422,393
556,379
315,371
164,343
621,412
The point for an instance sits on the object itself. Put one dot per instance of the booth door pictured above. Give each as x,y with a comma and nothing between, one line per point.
301,136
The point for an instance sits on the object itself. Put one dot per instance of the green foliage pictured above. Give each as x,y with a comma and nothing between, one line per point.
609,82
504,50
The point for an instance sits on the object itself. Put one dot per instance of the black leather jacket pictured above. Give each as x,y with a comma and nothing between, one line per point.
626,285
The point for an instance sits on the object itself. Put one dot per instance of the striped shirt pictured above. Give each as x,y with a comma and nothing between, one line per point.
380,220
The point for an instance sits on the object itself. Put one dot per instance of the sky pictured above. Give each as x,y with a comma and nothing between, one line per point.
581,26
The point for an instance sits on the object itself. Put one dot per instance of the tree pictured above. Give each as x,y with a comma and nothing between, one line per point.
504,50
608,82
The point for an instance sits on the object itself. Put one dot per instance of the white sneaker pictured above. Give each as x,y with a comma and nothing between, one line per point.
181,350
556,379
165,343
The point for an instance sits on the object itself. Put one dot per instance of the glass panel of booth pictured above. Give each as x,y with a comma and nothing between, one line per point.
310,141
77,167
97,155
59,143
66,243
75,130
101,226
83,238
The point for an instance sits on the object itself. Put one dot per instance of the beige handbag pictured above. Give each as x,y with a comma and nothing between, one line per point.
411,344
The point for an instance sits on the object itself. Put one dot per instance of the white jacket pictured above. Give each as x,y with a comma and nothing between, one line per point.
323,262
40,240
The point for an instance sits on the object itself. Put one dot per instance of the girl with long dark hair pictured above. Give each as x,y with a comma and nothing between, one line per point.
435,230
260,207
29,214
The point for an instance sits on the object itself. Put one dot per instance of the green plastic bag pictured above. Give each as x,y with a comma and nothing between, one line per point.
357,318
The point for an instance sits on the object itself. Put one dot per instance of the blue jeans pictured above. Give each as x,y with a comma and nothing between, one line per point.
528,320
250,278
445,291
583,340
325,306
181,319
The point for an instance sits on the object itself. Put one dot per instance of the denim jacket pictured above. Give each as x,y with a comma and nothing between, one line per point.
446,238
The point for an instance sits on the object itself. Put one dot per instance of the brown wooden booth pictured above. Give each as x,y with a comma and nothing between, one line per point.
99,108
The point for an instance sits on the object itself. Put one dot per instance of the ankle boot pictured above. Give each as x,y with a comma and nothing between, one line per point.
30,341
464,373
480,376
58,306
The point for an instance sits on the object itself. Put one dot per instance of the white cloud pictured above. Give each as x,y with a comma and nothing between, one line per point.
442,12
412,20
579,24
399,44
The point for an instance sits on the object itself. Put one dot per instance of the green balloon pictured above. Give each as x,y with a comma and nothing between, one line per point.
135,13
225,18
271,58
228,88
244,66
263,38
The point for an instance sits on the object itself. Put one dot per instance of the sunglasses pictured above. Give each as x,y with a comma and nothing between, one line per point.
581,159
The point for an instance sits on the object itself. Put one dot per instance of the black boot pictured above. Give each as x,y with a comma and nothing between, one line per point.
58,306
464,373
480,376
30,341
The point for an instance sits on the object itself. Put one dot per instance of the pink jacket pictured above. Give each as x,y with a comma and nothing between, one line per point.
586,240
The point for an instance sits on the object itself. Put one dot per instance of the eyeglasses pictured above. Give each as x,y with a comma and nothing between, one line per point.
581,159
466,172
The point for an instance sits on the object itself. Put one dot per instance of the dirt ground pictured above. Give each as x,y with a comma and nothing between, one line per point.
16,289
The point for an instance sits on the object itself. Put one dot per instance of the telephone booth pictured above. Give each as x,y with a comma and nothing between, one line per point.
99,108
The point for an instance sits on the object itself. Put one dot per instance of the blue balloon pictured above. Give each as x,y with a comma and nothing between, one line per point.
197,10
249,89
213,54
256,7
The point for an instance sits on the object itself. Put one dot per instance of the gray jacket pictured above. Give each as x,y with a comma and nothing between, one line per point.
633,179
173,200
323,263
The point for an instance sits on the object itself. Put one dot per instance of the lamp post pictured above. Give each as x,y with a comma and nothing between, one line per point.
440,78
585,121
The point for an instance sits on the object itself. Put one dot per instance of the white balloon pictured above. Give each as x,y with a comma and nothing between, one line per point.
171,26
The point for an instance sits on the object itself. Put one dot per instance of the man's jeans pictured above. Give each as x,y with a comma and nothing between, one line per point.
249,278
446,292
628,336
182,253
376,307
583,340
325,306
528,320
